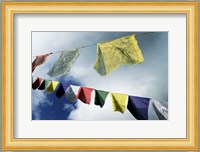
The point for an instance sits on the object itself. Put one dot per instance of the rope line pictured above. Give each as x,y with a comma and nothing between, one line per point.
84,46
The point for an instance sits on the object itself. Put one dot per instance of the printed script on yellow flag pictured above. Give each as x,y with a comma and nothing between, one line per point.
112,54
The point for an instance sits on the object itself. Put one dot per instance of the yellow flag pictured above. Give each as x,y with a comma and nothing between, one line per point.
52,86
119,101
112,54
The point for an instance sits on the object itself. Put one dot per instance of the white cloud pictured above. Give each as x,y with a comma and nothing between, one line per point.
38,97
50,42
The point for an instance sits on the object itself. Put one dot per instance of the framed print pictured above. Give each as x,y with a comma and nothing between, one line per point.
100,76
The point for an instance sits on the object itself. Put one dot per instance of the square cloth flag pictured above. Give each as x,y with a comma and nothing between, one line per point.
39,60
112,54
138,107
119,101
100,97
64,63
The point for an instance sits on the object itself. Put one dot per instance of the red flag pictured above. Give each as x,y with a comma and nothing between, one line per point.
39,60
37,83
84,95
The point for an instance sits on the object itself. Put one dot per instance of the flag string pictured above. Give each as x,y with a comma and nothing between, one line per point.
84,46
138,106
55,89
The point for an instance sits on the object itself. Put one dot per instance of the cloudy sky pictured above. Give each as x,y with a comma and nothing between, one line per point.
149,79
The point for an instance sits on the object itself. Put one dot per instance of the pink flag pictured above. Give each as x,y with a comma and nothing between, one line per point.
39,60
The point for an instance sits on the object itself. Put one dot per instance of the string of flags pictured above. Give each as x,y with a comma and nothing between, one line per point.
110,55
137,106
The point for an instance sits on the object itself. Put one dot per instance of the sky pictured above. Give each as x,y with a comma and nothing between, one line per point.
149,79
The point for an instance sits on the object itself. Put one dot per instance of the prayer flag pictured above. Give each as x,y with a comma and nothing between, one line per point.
61,90
84,95
138,107
160,110
37,83
119,101
39,60
71,93
100,97
112,54
44,84
52,86
64,63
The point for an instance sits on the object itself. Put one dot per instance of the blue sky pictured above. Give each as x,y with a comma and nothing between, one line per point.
149,79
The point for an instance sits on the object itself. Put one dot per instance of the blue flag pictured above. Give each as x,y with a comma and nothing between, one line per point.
138,107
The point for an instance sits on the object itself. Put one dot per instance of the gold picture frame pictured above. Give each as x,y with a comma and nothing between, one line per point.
11,143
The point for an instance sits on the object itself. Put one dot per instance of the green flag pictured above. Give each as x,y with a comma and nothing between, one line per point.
100,97
64,63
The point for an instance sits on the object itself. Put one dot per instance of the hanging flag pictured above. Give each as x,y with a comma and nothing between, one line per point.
112,54
64,63
61,90
39,60
37,83
100,97
52,86
160,110
72,92
119,101
44,84
84,95
138,107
